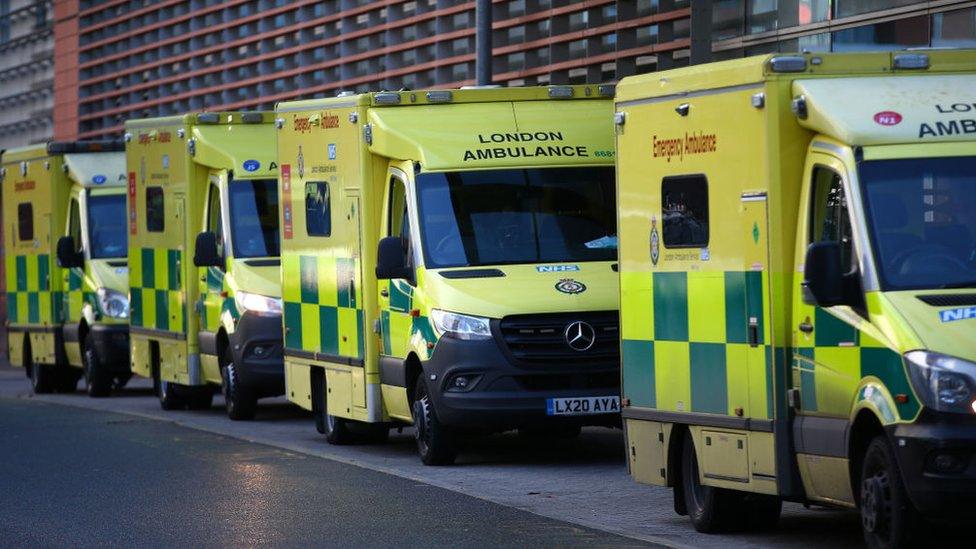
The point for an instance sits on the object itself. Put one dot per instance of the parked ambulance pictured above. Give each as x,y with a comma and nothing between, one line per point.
203,251
65,253
448,261
798,286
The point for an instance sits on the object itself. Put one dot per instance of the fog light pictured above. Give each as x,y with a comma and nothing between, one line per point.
259,351
462,383
947,462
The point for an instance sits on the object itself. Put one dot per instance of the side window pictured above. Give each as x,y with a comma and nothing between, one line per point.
74,224
684,204
830,218
318,209
25,221
215,222
155,222
399,222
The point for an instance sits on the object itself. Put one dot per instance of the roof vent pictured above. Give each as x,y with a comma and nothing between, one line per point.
439,97
387,98
910,61
788,63
949,300
560,92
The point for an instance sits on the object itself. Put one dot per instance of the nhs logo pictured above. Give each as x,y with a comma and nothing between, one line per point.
556,268
964,313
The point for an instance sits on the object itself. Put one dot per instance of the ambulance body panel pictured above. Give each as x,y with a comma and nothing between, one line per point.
732,178
357,170
196,326
54,191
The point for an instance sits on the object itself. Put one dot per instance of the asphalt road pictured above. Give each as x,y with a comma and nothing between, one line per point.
75,477
582,482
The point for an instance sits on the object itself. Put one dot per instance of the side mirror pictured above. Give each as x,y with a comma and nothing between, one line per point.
68,256
823,278
391,260
206,254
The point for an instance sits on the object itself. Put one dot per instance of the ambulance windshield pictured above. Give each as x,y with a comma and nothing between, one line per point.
922,218
106,226
254,218
498,217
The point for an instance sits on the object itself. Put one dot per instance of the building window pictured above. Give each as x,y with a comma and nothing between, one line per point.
727,19
318,209
813,11
955,29
155,220
890,35
762,16
25,221
845,8
684,205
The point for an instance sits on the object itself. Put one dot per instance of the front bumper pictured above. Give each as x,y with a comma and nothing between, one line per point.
506,395
257,350
937,458
112,346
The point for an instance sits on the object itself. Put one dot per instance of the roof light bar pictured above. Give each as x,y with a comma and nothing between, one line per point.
439,97
788,63
560,92
252,118
208,118
387,98
607,90
910,61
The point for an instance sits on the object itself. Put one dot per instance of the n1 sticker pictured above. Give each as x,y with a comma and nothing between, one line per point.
556,268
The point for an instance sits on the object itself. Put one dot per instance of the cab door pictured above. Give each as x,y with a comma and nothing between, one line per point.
73,284
826,340
211,287
396,297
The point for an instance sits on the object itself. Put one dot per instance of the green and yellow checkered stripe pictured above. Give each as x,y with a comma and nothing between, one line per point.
686,343
837,343
399,325
216,285
78,294
30,299
155,286
322,305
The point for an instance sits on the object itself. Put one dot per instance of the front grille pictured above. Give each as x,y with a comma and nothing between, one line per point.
949,300
541,339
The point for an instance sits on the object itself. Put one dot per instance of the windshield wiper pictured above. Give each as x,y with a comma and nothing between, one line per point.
956,285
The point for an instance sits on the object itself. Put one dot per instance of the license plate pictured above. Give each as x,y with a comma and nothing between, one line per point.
582,406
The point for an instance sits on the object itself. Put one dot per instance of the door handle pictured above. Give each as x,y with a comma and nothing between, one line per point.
806,327
385,293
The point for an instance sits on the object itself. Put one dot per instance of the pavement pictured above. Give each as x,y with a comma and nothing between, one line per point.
583,482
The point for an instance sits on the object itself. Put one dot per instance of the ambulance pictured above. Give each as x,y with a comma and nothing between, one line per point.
798,286
203,254
448,261
65,254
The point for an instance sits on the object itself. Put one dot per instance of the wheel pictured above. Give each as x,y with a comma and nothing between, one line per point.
198,398
888,518
435,443
98,382
335,429
564,432
41,375
239,401
121,380
168,393
710,509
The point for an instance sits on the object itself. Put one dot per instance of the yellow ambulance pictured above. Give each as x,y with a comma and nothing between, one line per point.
65,253
448,261
203,253
798,286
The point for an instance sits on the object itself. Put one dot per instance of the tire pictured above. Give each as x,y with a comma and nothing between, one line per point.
170,397
435,443
888,518
710,509
41,375
67,379
335,429
239,401
98,382
121,380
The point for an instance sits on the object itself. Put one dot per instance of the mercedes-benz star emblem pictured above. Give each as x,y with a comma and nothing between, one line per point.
580,336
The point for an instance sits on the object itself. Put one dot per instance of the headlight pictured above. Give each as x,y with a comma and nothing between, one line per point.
259,304
113,303
943,382
460,326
